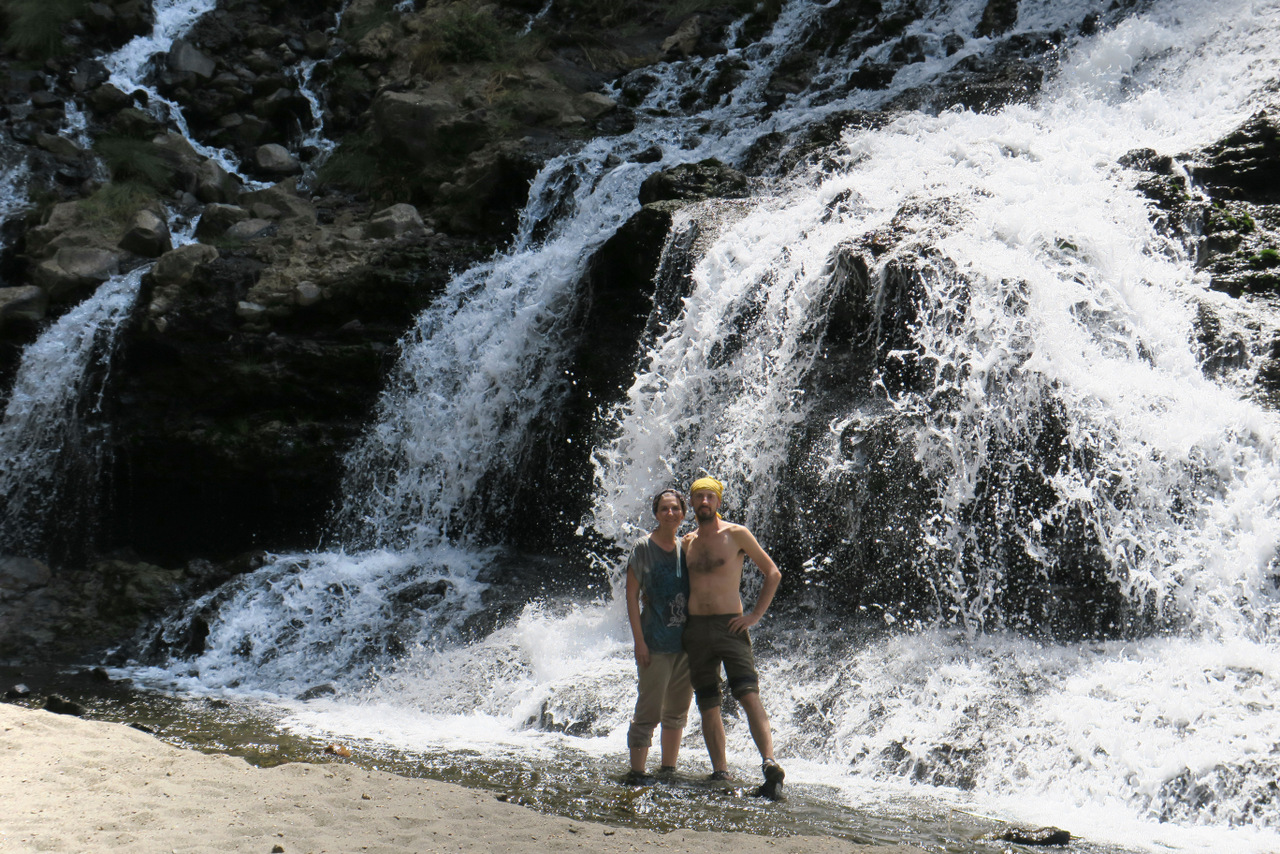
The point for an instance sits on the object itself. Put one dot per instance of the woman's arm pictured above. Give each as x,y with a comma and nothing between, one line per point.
633,615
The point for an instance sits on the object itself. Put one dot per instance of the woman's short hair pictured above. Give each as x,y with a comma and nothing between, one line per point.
679,496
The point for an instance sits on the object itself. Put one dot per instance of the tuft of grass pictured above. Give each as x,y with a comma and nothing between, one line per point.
33,28
359,166
465,35
134,160
115,204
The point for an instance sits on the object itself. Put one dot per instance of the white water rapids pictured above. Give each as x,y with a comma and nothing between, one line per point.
1046,282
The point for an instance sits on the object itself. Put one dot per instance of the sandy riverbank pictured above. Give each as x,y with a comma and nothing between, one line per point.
72,785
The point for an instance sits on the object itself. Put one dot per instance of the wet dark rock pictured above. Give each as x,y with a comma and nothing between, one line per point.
1024,836
689,182
998,18
422,594
1244,165
620,311
17,692
1010,71
779,154
328,689
62,706
1219,353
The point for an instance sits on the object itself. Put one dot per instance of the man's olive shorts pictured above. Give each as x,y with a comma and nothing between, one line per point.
709,642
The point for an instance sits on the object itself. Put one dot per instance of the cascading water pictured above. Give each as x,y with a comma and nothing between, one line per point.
50,446
130,65
1044,389
476,372
13,192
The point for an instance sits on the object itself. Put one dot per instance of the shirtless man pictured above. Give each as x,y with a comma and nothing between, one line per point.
716,631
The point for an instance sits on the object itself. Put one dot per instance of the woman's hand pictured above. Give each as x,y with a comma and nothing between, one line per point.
642,654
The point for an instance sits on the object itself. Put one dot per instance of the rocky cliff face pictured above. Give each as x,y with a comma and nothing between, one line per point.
256,352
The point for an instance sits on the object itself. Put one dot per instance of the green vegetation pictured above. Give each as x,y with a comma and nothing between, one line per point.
1221,219
464,35
360,166
33,28
134,160
116,204
1265,259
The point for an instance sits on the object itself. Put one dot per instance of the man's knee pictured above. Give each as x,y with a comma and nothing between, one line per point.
640,735
743,685
708,696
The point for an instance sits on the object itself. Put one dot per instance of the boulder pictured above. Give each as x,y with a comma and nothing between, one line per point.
217,218
283,200
62,218
684,40
316,44
593,105
177,266
148,236
60,147
215,184
186,58
378,44
135,123
22,305
250,229
396,221
408,119
177,152
108,100
308,293
18,575
73,271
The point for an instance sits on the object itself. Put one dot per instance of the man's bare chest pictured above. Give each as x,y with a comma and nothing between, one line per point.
712,558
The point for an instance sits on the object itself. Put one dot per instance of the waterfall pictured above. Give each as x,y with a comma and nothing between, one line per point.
130,65
970,316
13,191
50,442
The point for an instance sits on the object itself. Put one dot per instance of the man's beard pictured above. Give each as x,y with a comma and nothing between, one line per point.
704,514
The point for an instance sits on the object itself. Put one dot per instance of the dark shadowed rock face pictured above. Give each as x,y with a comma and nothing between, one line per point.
232,422
1245,165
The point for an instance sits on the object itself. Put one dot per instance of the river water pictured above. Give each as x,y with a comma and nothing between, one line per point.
1044,284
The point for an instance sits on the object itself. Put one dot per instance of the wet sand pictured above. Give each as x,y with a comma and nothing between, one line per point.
71,785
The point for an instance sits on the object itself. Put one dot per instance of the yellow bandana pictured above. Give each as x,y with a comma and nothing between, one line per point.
708,483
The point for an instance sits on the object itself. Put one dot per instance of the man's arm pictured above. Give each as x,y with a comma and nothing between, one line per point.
633,616
746,541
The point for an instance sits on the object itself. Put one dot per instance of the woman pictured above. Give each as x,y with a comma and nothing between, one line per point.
657,575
